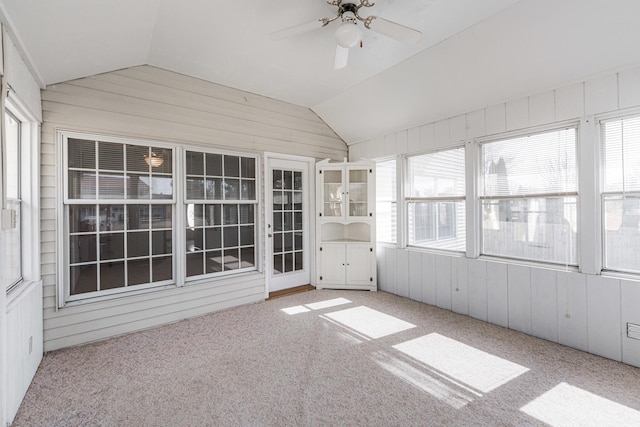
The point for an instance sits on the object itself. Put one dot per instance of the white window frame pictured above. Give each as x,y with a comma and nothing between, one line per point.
396,160
30,195
178,203
186,201
602,194
407,200
480,197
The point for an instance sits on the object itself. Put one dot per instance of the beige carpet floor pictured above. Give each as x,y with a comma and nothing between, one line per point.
330,358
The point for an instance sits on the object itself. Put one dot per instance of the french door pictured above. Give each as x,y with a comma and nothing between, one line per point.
287,223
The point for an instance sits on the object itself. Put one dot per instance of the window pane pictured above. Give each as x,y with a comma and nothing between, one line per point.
83,279
161,187
533,164
195,188
136,155
622,234
439,225
12,156
138,186
438,174
137,217
194,264
162,268
82,153
111,156
166,155
161,243
137,244
82,249
111,217
621,155
231,189
112,275
82,185
138,272
248,167
195,163
539,229
111,246
214,164
111,186
214,261
231,166
386,201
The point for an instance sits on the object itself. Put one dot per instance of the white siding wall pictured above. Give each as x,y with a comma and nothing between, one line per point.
21,310
584,310
150,103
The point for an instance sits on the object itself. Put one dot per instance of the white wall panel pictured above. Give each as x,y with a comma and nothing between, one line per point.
497,294
572,310
402,273
402,142
476,125
629,88
542,108
429,278
544,304
601,94
414,143
496,119
443,282
570,102
427,137
442,133
517,114
519,298
603,316
458,129
381,258
630,295
415,275
478,289
460,286
391,270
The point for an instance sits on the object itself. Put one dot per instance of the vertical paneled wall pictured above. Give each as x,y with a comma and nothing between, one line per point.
584,310
154,104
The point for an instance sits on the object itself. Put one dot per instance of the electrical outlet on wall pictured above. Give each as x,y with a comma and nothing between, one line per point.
633,331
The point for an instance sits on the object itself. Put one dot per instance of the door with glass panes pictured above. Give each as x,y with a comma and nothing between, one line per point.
287,225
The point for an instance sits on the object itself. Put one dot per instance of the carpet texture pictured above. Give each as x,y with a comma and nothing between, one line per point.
324,357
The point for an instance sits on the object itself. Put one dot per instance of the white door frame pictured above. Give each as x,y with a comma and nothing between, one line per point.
310,218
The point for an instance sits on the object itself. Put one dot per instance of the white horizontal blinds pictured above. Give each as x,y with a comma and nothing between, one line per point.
543,163
435,200
529,197
386,202
119,211
221,213
620,160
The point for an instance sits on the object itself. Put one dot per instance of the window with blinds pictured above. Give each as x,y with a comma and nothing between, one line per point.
528,195
220,204
620,163
119,216
386,202
435,200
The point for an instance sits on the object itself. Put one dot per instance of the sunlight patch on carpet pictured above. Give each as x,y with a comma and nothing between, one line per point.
315,306
566,405
475,368
424,380
369,322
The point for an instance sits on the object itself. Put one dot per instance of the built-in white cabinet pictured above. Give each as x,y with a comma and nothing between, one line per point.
345,225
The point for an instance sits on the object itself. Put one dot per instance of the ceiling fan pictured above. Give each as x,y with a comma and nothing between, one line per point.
348,34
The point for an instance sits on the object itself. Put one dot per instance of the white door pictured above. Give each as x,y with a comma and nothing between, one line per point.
287,223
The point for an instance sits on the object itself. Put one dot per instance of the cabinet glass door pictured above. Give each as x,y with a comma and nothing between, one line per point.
333,191
358,193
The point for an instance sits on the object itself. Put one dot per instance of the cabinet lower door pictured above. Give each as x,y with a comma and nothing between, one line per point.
332,264
359,264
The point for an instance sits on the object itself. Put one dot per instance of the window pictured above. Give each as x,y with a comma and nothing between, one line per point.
436,200
528,196
386,201
620,160
119,215
13,236
221,213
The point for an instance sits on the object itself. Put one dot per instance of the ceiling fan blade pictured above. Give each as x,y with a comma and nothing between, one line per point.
341,58
395,31
297,29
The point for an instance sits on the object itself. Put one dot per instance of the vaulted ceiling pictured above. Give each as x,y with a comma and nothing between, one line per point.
472,53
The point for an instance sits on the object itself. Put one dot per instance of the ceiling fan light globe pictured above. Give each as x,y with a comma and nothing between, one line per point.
348,35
